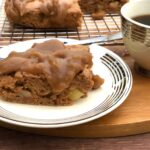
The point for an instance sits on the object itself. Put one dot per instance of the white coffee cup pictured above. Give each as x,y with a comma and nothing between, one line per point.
136,36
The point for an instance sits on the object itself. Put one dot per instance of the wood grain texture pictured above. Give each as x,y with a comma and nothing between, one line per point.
132,117
14,140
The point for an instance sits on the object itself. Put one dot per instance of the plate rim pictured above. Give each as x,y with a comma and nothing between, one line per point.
73,123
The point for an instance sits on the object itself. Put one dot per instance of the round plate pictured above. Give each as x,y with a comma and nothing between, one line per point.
114,91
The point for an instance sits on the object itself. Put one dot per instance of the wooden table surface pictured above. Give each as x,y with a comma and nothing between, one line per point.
16,140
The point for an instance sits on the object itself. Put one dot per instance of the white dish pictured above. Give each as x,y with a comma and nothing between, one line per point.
114,91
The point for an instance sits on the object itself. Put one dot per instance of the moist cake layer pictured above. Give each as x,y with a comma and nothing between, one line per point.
49,73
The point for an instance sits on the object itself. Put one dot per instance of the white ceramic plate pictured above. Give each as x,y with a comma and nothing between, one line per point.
114,91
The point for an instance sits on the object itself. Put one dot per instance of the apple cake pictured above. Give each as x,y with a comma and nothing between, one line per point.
49,73
98,8
44,13
57,13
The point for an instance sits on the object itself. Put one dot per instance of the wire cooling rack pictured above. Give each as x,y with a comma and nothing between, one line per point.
90,28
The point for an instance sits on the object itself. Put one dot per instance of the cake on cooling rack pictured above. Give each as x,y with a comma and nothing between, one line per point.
98,8
57,13
49,73
44,13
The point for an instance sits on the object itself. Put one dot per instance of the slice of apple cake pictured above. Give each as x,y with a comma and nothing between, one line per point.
49,73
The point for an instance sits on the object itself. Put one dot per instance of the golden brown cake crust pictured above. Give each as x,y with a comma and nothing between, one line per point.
44,13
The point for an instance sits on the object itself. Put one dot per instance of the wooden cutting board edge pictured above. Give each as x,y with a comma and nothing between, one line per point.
88,131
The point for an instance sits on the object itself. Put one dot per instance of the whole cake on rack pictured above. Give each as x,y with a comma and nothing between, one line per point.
49,73
57,13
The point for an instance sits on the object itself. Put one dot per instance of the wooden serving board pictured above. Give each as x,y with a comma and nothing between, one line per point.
132,117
